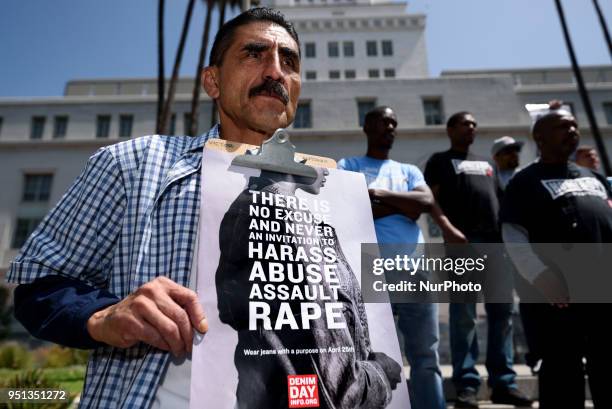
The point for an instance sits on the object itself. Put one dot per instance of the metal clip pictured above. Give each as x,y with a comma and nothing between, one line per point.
276,155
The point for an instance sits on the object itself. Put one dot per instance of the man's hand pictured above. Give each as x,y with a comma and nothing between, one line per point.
453,235
377,195
552,288
392,369
410,204
160,313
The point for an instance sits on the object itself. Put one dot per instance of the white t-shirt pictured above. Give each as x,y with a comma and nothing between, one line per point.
174,388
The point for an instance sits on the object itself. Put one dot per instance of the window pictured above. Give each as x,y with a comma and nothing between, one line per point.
387,47
303,115
432,107
607,106
371,49
60,126
187,123
374,73
334,75
349,74
363,107
311,50
23,229
311,75
38,127
348,48
103,126
173,124
332,49
1,121
389,73
125,125
37,188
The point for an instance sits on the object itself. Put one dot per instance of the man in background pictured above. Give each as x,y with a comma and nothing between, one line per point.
588,157
399,195
567,204
466,209
506,151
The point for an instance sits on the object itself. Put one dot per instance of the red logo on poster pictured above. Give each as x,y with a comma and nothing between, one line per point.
303,391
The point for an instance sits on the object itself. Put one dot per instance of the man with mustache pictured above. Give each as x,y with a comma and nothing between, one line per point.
467,207
110,267
399,195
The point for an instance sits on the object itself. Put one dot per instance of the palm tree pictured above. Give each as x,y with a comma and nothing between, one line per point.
232,4
161,78
167,106
164,107
197,86
195,100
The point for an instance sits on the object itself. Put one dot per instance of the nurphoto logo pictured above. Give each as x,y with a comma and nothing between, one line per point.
303,391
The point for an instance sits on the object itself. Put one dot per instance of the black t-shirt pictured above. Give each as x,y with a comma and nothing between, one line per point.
467,191
559,204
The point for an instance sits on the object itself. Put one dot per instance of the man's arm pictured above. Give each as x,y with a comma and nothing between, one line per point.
381,210
450,233
75,244
531,267
410,204
57,308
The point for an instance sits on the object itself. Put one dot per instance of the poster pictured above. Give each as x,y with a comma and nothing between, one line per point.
278,276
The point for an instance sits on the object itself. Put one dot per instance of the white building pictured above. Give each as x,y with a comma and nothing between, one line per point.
356,55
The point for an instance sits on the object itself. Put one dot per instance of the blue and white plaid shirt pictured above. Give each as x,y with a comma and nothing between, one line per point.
131,216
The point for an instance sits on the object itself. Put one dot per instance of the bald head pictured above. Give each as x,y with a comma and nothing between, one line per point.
557,136
543,124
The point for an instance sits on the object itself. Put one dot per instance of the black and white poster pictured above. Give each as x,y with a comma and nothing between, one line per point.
278,276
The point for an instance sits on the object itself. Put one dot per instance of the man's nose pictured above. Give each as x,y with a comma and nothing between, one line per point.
573,130
273,69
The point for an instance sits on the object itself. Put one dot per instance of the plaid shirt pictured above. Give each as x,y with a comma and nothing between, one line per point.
131,216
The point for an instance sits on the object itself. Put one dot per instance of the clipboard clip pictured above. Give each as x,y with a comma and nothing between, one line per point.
276,155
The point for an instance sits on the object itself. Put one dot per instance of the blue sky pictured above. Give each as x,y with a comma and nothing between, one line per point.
44,44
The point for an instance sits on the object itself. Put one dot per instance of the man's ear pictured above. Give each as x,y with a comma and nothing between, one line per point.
210,78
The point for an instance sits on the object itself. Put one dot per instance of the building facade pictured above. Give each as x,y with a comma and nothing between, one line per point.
356,55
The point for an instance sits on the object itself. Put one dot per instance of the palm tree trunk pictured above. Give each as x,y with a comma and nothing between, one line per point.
161,79
177,62
195,100
213,110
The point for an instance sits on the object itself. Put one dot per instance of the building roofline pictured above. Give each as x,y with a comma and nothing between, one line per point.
121,79
92,99
525,70
340,6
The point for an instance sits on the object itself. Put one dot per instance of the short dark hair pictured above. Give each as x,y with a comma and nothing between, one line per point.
375,113
224,36
455,118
